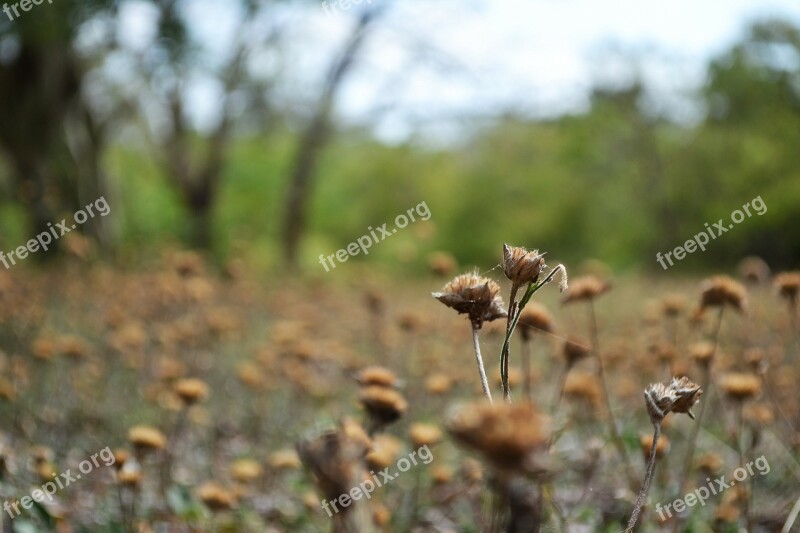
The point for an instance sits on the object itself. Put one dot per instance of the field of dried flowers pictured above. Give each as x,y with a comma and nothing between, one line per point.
235,402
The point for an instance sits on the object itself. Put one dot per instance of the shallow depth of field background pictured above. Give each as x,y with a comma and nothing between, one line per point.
236,143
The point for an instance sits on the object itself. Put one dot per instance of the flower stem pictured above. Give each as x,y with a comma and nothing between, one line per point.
651,463
612,424
479,358
706,385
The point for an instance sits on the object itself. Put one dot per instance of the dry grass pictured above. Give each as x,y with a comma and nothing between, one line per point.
214,390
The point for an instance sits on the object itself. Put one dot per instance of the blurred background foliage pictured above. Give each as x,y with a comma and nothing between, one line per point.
279,177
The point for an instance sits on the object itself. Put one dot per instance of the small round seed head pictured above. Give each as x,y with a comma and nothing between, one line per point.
718,291
384,452
679,396
471,471
585,387
758,414
754,270
740,387
383,405
284,460
585,288
438,383
535,318
191,390
442,263
215,496
574,350
129,477
424,435
121,456
788,285
756,359
377,375
441,475
246,470
146,438
521,266
665,352
672,305
702,352
710,464
41,454
473,295
355,433
381,515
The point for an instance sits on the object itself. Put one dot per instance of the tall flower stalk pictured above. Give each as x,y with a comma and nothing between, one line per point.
677,397
717,292
523,268
477,297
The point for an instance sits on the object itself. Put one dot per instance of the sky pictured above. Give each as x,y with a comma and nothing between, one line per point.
534,57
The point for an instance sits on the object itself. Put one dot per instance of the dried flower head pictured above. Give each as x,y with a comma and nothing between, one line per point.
439,383
129,477
678,397
424,434
246,470
383,405
145,438
334,460
121,457
710,464
508,435
535,318
215,496
758,414
788,285
377,375
718,291
756,359
585,387
740,387
521,266
574,350
585,288
702,352
383,452
754,269
442,263
473,295
672,305
284,460
191,390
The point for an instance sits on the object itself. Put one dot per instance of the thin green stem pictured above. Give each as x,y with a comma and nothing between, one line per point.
514,313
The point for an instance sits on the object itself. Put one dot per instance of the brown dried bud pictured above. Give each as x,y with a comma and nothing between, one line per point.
521,266
678,397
